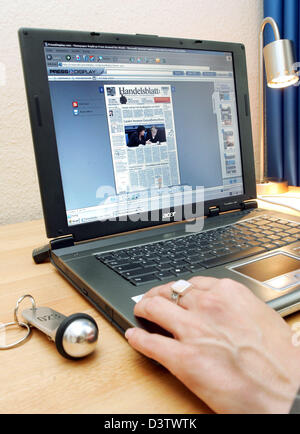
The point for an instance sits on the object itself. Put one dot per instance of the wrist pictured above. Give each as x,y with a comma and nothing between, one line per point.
283,391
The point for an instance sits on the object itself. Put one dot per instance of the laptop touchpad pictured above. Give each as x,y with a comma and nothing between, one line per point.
279,271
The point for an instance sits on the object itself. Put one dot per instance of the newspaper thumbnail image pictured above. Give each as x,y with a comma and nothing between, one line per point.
141,123
225,96
226,114
145,134
228,139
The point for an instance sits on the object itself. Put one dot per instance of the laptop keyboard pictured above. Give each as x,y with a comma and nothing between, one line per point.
171,258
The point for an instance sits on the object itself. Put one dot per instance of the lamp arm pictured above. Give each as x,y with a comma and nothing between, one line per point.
267,20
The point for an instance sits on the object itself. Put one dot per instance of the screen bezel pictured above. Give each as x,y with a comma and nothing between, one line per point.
44,139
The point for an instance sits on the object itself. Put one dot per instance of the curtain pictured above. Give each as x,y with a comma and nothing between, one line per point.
283,105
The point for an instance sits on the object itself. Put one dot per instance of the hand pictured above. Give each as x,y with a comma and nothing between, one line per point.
228,347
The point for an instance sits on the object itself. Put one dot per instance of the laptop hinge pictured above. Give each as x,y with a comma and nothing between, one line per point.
213,211
43,253
59,243
249,204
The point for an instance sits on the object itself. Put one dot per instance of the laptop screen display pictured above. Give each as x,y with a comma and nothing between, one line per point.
135,124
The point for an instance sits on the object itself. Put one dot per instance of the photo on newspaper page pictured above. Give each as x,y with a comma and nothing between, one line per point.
142,136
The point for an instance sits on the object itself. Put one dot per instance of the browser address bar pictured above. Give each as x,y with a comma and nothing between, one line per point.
137,72
137,67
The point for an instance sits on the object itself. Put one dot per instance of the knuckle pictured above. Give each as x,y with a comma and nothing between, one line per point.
135,337
231,287
209,302
228,284
195,280
151,304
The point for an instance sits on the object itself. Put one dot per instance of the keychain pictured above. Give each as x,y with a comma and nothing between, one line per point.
75,336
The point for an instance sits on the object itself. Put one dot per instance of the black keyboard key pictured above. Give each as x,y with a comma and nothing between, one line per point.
117,262
105,258
146,263
221,252
128,267
150,257
166,266
120,255
133,273
149,270
179,263
141,280
179,270
195,267
233,257
165,274
177,256
199,258
193,251
164,261
139,271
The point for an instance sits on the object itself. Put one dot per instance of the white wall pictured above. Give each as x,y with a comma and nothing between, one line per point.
224,20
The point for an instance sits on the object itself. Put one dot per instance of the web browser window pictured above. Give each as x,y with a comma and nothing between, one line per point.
138,126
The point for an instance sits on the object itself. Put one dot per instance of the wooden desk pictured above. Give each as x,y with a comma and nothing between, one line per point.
34,378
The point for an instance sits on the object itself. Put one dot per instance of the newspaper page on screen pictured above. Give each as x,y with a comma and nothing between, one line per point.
142,136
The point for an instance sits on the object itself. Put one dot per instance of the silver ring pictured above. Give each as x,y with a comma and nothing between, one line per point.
179,289
17,307
14,344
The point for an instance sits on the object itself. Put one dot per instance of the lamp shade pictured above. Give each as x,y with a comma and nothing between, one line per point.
279,63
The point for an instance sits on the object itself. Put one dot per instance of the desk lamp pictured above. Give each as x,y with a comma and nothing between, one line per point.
280,73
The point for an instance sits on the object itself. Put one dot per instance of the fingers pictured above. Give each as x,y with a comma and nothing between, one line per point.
199,283
162,290
165,313
164,350
204,283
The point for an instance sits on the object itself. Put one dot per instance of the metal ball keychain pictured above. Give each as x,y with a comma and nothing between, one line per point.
75,336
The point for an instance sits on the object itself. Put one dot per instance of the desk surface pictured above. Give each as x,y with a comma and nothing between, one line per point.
34,378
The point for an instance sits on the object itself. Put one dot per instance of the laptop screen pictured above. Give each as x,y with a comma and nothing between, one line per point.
134,124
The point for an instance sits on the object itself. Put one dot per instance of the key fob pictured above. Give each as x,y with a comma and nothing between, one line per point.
75,336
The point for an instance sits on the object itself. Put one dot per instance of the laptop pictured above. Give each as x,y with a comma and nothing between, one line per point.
145,163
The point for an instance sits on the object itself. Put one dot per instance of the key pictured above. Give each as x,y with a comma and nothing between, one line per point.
164,274
233,257
179,270
140,272
140,280
75,336
196,267
127,267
